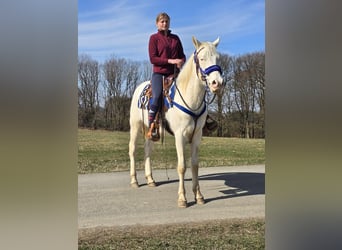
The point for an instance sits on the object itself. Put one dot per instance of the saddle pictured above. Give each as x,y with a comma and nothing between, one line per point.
146,97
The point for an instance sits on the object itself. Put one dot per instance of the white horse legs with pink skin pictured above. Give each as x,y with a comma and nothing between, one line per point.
148,149
181,168
132,147
194,168
148,169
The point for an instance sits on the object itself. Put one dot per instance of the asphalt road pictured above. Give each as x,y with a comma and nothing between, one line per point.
229,192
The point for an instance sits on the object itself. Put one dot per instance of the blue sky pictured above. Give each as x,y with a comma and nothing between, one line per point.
123,27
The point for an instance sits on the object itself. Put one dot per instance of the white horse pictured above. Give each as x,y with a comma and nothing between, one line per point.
186,117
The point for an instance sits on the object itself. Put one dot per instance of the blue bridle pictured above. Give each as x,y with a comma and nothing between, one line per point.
207,71
204,74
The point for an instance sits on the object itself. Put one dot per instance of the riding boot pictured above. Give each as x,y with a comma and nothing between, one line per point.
153,131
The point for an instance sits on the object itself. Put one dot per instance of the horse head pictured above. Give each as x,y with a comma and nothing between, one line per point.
205,57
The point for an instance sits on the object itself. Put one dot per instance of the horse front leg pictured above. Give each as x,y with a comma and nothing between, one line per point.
194,168
148,169
181,168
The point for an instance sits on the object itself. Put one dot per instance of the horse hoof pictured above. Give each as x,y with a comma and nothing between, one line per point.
200,201
182,204
135,185
152,184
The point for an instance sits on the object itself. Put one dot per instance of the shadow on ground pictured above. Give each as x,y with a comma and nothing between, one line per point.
236,184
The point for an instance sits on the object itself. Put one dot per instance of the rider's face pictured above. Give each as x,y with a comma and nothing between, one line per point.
163,24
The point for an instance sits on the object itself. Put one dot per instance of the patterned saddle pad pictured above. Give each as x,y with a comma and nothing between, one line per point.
145,98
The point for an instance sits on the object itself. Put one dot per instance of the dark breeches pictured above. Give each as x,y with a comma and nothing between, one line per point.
157,88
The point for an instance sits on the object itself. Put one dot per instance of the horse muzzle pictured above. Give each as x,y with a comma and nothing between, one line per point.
215,85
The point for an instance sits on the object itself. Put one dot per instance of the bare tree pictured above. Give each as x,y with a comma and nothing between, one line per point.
242,88
259,79
132,78
225,62
88,83
248,88
114,69
146,71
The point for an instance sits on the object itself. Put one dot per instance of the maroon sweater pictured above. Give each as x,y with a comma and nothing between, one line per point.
162,47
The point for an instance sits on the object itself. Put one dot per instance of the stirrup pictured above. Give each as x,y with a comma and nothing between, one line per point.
153,132
210,124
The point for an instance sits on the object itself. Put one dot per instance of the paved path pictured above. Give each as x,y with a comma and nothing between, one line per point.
229,192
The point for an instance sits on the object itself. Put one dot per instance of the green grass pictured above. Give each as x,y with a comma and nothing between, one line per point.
223,234
107,151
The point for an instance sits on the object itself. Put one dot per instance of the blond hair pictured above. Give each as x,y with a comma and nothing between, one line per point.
161,16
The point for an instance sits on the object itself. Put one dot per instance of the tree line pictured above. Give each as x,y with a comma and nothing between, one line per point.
105,91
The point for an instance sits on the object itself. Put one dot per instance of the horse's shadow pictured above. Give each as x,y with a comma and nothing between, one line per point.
236,184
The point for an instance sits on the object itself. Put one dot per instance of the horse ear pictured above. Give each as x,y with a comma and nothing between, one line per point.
216,42
196,42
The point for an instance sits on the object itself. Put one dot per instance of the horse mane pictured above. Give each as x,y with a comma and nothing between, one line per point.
185,73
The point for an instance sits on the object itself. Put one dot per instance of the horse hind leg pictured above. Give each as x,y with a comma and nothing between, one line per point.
148,169
132,148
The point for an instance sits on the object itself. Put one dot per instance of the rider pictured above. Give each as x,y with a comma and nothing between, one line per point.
167,56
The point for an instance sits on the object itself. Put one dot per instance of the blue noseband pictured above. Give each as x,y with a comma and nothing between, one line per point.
208,70
212,68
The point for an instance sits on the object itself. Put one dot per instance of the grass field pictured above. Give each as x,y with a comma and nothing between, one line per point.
223,234
107,151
